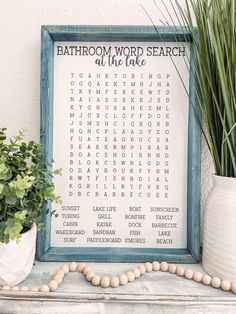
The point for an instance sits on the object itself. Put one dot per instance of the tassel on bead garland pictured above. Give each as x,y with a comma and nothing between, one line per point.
123,279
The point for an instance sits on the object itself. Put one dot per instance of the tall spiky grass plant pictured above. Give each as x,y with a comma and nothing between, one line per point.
215,64
212,26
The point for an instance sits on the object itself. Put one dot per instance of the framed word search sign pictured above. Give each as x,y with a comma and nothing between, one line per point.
117,116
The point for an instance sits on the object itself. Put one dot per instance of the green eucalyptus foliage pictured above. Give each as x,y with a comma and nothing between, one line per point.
26,185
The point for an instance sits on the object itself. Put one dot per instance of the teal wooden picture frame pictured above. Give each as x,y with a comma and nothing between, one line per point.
45,251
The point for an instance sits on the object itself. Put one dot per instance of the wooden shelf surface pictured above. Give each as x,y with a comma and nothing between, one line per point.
153,292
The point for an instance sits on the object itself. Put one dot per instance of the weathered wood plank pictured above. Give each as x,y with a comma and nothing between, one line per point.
160,291
100,308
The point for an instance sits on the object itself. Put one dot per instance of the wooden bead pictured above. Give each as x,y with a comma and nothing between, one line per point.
131,276
172,268
142,269
215,282
44,288
53,285
123,280
197,276
60,272
86,270
115,282
188,274
34,289
81,267
136,272
105,282
24,288
155,266
180,270
225,285
89,275
206,279
148,267
73,267
66,269
15,288
58,278
233,287
6,287
164,266
96,280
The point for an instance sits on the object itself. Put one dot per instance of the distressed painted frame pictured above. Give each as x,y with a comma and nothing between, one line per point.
45,252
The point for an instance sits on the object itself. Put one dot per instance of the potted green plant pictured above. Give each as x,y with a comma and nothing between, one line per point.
25,188
212,25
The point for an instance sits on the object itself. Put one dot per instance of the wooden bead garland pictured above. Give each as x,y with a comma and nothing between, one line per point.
148,267
60,273
225,285
96,280
58,278
197,276
172,268
215,282
80,267
44,288
105,282
86,270
137,272
124,279
142,269
164,266
53,285
73,267
66,269
233,287
89,275
115,282
206,280
180,270
188,273
155,266
131,276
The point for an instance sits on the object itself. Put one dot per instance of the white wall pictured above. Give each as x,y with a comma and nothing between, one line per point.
20,22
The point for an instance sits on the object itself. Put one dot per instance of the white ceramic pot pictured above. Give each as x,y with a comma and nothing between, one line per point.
219,229
16,259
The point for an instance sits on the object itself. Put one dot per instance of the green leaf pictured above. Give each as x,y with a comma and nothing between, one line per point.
3,211
21,185
3,171
8,175
13,229
21,215
10,196
58,172
49,193
20,193
1,188
2,229
11,199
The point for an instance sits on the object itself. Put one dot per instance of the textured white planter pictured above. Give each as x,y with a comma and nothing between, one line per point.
219,230
16,259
